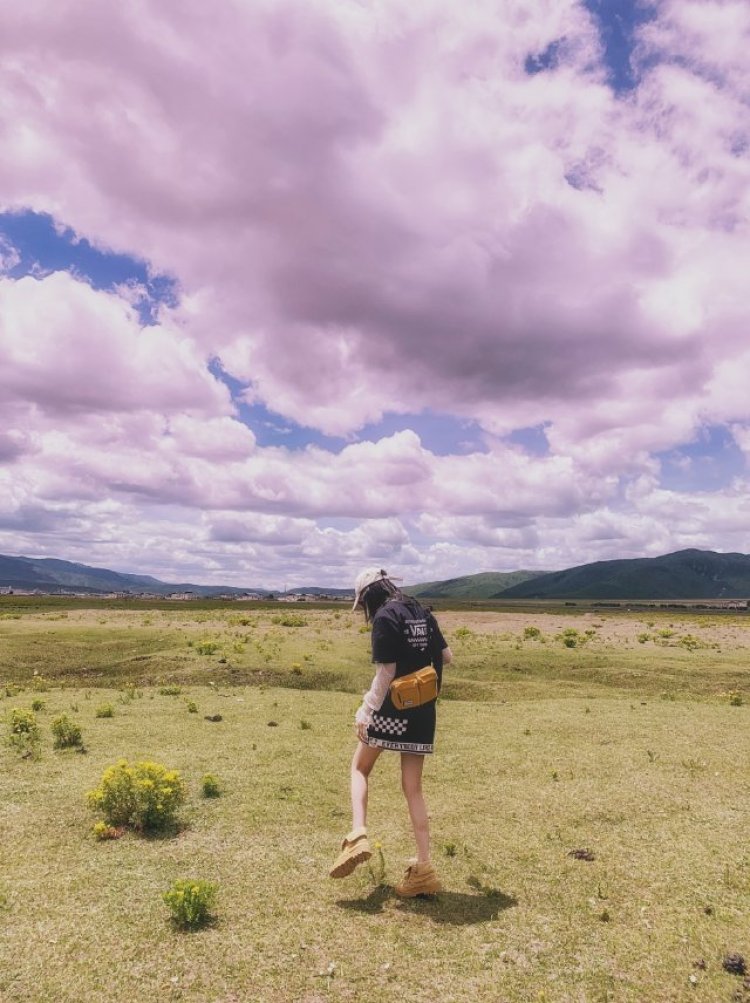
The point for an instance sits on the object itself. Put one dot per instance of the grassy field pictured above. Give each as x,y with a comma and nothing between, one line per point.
621,739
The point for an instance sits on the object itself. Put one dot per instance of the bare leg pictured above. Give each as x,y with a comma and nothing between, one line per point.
411,784
365,757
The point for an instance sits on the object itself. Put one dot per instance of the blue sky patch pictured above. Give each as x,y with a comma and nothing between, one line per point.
44,248
533,439
442,434
709,463
547,59
618,21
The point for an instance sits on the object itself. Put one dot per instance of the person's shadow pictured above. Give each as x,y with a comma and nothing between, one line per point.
456,908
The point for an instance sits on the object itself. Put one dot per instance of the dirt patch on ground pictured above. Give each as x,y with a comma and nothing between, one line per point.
610,628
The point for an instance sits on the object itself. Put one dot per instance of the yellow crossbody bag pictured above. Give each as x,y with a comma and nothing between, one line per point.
415,689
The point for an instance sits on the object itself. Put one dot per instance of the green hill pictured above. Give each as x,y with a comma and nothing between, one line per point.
51,575
686,574
480,586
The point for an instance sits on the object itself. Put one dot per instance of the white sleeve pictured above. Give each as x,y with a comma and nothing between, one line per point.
375,696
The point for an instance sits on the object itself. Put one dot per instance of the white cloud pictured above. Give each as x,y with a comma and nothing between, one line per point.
369,209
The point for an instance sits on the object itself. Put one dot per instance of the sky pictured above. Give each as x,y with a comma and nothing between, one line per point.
293,287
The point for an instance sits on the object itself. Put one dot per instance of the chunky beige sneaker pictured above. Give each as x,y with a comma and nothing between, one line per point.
355,849
420,879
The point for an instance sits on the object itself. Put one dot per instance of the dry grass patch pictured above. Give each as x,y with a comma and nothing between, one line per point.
513,789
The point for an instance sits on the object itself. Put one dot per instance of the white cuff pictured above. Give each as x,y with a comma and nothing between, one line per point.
363,715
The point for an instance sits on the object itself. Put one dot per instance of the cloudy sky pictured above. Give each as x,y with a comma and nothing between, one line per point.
292,286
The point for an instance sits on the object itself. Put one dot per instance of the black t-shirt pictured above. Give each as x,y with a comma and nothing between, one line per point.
405,633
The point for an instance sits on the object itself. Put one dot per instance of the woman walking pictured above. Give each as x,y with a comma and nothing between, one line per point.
405,638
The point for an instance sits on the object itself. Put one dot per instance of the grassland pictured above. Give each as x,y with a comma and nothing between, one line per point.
619,738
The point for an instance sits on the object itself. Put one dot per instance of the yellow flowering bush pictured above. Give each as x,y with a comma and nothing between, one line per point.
190,901
24,732
144,796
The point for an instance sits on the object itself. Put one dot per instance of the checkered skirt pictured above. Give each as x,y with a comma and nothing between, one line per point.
410,730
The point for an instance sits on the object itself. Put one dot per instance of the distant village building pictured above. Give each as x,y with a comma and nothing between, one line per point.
183,595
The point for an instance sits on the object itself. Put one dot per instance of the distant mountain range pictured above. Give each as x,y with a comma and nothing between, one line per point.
687,574
51,575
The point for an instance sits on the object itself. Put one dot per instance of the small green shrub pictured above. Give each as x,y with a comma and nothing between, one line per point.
66,733
210,786
735,699
22,722
37,705
104,710
192,707
571,638
463,632
376,865
207,647
25,737
190,902
642,638
170,691
305,725
450,849
691,642
289,620
531,632
144,796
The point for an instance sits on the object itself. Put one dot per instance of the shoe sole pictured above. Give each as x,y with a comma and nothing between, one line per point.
345,868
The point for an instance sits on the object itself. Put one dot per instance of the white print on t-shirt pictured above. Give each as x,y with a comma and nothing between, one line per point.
415,632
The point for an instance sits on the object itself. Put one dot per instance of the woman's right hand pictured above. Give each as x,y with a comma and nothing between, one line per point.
362,719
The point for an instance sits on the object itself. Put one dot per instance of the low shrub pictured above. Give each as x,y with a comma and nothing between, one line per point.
305,725
24,737
206,648
192,707
66,733
735,699
37,705
104,710
190,902
571,638
531,632
170,691
144,796
289,620
210,786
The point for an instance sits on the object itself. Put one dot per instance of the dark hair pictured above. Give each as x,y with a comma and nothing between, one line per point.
376,594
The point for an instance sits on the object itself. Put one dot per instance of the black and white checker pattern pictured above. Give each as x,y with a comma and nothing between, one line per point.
389,725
